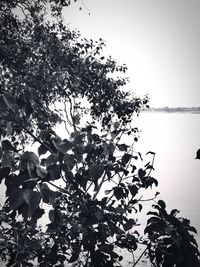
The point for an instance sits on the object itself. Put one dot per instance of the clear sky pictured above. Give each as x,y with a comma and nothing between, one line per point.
158,40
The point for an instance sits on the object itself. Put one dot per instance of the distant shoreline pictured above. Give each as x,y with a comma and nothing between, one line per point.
194,110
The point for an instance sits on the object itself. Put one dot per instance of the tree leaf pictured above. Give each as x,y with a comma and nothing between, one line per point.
198,154
11,102
1,153
68,175
52,215
141,173
153,220
41,172
133,190
99,215
37,214
107,192
23,210
42,150
150,167
150,152
125,159
129,224
116,125
114,133
152,213
9,129
54,172
140,207
27,195
115,229
162,204
28,110
154,227
30,157
56,217
74,256
12,182
122,147
64,146
76,119
20,102
78,139
33,202
118,192
16,198
174,212
192,229
48,196
70,161
153,181
26,182
7,146
108,248
4,172
33,93
51,159
96,171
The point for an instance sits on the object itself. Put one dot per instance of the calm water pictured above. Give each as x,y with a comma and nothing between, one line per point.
175,137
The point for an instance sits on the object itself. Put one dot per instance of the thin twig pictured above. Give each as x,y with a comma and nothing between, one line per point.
148,199
58,187
22,9
140,257
65,109
100,185
85,5
89,187
71,114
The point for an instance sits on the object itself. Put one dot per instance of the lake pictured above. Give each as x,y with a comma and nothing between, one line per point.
175,138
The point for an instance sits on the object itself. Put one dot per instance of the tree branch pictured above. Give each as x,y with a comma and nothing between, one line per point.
36,138
58,187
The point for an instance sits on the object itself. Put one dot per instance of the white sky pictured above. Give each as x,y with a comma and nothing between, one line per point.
158,40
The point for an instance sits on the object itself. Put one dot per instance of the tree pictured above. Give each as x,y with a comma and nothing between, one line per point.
89,178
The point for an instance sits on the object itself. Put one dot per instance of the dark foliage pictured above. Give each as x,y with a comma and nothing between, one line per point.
171,242
89,179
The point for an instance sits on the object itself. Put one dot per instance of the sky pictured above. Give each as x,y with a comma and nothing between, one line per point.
158,40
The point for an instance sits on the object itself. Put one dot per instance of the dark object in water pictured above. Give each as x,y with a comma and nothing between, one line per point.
198,154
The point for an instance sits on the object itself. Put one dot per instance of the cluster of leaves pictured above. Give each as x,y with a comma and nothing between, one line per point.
170,240
90,179
80,221
42,62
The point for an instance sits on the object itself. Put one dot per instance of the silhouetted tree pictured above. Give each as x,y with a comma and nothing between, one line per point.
88,175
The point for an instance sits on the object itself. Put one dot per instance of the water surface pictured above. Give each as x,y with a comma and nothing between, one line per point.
175,137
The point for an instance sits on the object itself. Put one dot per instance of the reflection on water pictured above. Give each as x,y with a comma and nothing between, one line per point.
175,138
